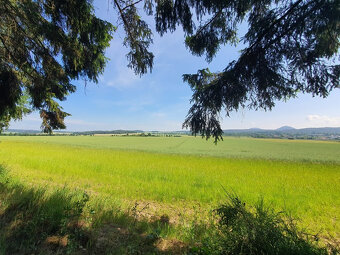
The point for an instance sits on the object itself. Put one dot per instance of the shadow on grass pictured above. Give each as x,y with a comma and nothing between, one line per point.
38,221
61,221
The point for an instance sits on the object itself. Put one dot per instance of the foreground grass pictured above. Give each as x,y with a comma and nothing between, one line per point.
63,221
177,185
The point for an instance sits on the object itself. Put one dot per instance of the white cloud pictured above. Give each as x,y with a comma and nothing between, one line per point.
31,121
137,104
117,74
80,122
323,120
159,125
125,78
33,118
158,114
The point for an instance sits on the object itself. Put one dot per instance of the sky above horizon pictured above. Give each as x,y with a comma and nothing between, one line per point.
160,100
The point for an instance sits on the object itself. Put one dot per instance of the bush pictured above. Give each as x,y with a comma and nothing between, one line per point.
256,230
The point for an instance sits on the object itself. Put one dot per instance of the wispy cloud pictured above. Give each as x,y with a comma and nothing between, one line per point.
125,78
33,118
117,74
80,122
137,104
323,120
84,125
158,114
31,121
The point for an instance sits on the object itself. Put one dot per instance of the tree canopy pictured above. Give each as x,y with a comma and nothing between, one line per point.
44,45
290,47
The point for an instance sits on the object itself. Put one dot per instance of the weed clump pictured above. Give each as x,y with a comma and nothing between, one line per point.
242,229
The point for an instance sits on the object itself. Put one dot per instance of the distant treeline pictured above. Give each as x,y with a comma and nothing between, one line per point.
287,136
133,133
281,133
291,133
100,132
153,135
33,134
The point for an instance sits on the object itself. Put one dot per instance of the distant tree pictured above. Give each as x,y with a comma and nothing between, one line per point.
291,46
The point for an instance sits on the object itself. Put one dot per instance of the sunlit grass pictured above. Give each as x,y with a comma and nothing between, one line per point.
280,149
308,190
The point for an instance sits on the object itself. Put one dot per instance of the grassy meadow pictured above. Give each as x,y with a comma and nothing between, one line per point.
177,176
271,149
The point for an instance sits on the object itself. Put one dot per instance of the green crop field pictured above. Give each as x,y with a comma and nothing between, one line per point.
271,149
175,174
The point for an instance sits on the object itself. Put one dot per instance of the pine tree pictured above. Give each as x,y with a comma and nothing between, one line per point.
292,46
44,45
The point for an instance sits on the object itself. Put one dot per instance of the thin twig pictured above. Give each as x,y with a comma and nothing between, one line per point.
208,23
132,4
126,24
274,23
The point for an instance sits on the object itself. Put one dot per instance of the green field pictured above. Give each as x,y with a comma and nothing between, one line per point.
273,149
175,174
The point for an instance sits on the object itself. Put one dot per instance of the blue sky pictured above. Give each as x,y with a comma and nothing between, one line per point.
160,100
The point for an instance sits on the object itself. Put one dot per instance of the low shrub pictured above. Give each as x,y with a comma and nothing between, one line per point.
242,229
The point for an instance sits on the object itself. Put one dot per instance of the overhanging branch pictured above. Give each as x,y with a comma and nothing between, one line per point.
137,2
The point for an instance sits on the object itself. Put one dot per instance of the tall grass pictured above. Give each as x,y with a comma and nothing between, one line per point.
30,218
272,149
61,221
174,184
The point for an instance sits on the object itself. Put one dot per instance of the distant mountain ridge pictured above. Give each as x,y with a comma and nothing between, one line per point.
285,128
332,133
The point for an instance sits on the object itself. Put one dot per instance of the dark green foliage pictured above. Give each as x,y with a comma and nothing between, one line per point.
292,46
138,35
257,230
13,102
44,45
